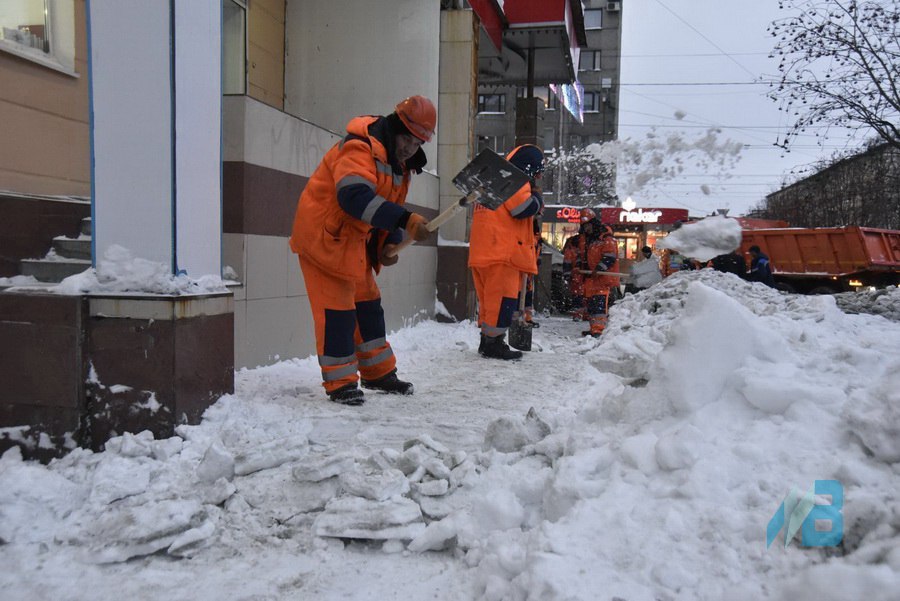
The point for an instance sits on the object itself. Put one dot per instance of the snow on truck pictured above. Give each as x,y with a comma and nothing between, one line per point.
828,260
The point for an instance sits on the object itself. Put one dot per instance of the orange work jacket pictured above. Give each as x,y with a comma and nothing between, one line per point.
499,238
323,232
596,250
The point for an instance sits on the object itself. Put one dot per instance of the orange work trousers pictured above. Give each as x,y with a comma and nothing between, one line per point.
349,325
497,288
596,292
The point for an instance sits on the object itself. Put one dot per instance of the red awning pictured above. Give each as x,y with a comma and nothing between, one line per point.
548,32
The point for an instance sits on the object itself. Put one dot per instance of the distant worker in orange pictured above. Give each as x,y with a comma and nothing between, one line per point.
349,215
573,253
501,249
601,254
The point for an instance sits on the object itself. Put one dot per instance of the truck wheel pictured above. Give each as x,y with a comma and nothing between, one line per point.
785,288
823,290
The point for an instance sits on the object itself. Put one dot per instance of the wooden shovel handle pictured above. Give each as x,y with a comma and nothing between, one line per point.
614,274
437,222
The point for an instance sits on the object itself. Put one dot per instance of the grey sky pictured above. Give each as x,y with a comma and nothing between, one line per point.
691,42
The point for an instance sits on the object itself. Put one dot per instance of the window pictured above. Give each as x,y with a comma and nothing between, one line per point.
593,18
494,143
592,102
492,103
551,102
234,47
590,60
42,31
549,137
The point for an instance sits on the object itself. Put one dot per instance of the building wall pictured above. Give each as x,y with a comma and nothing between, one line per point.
456,121
44,115
603,125
268,158
359,57
265,51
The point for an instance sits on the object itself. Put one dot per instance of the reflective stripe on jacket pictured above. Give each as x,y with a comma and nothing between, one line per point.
324,232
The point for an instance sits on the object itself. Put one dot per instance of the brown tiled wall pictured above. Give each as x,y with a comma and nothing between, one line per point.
42,369
259,200
455,288
262,201
186,363
168,371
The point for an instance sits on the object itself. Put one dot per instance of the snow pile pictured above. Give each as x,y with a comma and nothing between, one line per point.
121,271
884,302
705,239
642,465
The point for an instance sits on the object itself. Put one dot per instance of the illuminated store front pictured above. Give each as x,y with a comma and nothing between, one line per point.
633,227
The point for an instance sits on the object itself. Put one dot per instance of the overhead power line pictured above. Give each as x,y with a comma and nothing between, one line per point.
714,45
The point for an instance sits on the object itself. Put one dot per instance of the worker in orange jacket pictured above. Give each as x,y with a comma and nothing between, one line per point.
601,254
501,249
573,263
349,219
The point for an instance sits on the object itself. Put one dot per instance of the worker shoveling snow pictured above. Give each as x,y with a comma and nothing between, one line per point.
705,239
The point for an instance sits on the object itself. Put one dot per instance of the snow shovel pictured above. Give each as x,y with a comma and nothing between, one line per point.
614,274
496,178
519,332
489,179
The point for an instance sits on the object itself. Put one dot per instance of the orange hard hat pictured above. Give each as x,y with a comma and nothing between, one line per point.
587,215
418,115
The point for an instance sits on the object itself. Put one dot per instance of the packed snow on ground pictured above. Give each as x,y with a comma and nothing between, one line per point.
644,465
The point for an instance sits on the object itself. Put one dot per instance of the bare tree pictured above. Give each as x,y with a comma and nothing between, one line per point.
848,189
839,66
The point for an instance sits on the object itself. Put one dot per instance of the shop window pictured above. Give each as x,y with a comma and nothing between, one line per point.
234,46
42,31
492,103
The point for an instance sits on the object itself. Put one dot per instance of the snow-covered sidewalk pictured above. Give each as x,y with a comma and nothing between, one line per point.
644,465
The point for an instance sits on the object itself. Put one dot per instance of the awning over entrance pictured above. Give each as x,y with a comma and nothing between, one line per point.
548,32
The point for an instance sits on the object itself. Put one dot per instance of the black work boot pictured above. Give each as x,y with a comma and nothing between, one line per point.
389,383
496,348
347,395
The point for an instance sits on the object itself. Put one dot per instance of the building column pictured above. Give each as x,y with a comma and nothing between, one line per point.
156,99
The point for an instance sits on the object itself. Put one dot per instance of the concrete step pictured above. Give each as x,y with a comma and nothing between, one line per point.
53,270
73,248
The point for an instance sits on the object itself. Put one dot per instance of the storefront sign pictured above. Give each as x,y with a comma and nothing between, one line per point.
623,216
570,214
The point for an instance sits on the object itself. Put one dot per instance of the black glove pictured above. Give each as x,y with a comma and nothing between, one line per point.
385,259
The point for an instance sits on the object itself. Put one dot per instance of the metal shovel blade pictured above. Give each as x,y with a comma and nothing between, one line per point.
519,331
520,335
495,179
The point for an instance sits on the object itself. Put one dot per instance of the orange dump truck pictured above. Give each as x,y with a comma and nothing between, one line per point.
828,260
